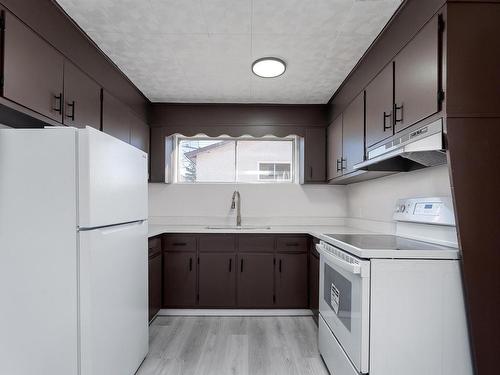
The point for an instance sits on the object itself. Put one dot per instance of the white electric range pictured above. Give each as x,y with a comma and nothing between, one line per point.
391,304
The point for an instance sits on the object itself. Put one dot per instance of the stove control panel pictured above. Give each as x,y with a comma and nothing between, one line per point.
433,210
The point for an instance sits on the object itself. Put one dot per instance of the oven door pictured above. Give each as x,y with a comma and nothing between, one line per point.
344,297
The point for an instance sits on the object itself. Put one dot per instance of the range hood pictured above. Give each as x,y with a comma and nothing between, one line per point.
411,150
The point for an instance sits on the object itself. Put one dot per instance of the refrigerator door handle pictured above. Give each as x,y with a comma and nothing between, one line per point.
115,227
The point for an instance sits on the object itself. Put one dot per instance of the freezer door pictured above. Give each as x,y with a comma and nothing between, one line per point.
113,299
113,180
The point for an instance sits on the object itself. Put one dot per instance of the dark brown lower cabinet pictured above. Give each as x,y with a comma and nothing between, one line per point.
217,280
314,284
255,280
179,279
291,281
154,284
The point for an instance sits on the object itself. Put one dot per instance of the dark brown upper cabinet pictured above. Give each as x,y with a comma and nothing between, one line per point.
379,107
353,134
82,98
139,134
314,155
334,149
416,77
33,70
217,280
179,279
255,280
115,118
291,281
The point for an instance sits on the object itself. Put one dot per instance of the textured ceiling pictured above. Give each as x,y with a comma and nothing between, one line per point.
202,50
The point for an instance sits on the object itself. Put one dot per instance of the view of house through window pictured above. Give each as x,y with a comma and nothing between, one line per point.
264,160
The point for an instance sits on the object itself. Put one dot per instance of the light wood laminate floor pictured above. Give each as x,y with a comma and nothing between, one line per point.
233,345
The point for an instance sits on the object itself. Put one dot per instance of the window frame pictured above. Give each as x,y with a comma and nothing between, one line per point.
294,164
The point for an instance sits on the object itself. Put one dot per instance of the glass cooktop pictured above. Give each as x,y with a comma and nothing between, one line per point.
385,242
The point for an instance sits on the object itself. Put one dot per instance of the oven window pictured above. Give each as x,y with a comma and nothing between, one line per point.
337,294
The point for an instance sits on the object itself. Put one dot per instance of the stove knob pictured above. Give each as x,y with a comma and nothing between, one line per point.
403,208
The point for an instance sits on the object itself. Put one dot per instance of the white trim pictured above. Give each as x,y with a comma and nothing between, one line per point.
235,312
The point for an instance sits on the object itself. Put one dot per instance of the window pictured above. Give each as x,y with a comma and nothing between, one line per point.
229,160
275,171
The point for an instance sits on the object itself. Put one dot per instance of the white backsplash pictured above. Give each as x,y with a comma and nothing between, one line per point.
370,204
366,205
290,204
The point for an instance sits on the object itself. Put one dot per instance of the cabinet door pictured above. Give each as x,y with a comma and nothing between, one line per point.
379,105
82,98
353,134
416,78
315,155
154,285
255,280
115,118
217,280
334,139
139,134
33,70
291,281
314,284
179,279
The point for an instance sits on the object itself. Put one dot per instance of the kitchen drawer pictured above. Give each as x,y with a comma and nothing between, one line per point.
294,244
154,246
255,243
179,243
217,242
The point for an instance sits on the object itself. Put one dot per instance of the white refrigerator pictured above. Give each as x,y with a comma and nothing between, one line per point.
73,253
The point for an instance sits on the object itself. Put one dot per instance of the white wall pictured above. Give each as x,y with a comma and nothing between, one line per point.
261,204
375,199
368,204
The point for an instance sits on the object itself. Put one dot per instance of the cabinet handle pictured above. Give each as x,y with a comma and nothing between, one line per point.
280,266
179,244
396,109
292,244
338,165
342,160
310,172
241,266
230,263
72,116
58,107
190,264
387,115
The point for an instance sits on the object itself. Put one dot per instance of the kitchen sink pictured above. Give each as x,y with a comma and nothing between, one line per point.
238,227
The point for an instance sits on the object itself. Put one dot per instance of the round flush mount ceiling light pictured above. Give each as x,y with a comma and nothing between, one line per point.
268,67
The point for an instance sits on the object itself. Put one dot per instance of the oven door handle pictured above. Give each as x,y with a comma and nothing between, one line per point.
352,268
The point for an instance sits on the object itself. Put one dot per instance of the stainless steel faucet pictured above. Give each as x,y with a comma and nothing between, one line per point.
236,194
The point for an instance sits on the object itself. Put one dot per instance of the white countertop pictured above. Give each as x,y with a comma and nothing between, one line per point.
314,230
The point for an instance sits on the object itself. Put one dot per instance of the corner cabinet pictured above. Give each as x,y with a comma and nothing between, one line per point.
154,276
314,156
346,139
120,122
334,150
353,134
